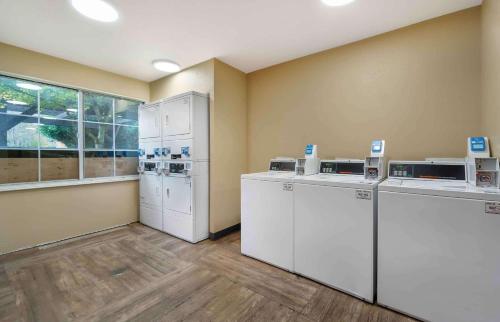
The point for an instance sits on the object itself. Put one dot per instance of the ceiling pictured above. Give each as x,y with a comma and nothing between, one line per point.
247,34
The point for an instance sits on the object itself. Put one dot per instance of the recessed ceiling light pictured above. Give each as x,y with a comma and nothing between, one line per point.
29,86
96,9
166,66
337,3
17,102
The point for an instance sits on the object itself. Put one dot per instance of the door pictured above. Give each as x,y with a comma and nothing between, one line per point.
177,194
267,221
149,122
334,237
176,117
150,190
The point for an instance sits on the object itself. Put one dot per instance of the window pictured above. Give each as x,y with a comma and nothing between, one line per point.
40,126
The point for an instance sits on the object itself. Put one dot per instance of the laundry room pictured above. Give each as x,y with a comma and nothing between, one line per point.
321,160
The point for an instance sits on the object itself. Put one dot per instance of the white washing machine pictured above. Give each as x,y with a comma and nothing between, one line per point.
267,214
150,193
185,199
438,243
335,215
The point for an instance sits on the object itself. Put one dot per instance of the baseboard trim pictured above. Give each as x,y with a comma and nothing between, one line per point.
224,232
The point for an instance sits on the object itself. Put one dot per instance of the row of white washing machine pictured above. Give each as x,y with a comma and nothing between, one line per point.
423,242
174,166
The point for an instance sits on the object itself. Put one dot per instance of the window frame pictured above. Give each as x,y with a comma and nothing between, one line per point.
80,121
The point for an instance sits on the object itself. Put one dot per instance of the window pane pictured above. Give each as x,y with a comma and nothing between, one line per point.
126,112
98,164
17,100
18,166
59,102
18,131
59,165
58,134
126,162
98,136
98,108
127,137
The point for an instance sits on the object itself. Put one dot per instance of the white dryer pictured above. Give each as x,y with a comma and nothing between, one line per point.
150,193
438,243
267,214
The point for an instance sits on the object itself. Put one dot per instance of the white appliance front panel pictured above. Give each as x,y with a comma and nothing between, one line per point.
334,237
177,193
149,122
179,224
182,148
151,217
438,257
267,221
176,117
150,191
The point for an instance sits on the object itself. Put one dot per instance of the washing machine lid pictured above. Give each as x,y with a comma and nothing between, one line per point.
347,181
270,176
444,188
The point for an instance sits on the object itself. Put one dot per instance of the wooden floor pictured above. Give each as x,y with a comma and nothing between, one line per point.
138,274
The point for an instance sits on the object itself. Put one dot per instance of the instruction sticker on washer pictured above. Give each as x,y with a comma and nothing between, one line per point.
288,187
364,194
492,207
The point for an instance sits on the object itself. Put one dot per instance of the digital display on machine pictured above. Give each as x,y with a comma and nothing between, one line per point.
342,168
428,171
149,166
176,167
282,166
478,144
377,146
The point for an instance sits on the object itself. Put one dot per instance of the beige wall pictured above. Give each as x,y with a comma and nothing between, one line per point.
31,217
228,145
418,88
490,121
31,64
227,89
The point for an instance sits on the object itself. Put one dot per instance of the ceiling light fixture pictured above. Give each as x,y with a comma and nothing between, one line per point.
337,3
96,9
166,66
29,86
14,102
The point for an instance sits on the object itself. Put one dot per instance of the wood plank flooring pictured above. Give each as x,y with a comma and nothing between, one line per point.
136,273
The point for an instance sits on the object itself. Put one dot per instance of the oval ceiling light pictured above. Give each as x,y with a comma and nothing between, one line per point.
166,66
29,86
96,9
337,3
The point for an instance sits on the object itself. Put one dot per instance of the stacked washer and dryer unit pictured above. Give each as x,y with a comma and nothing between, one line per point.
322,226
174,165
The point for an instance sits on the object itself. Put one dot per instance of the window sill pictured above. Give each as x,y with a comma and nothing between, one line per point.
63,183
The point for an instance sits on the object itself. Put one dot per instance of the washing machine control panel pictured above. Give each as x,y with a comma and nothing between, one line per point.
427,170
352,167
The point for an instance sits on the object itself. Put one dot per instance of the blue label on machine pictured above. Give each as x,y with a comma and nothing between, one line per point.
309,149
185,150
377,146
478,144
157,152
142,152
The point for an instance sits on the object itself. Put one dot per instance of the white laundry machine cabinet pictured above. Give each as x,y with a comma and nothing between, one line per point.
150,193
335,227
267,214
175,131
185,200
438,241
